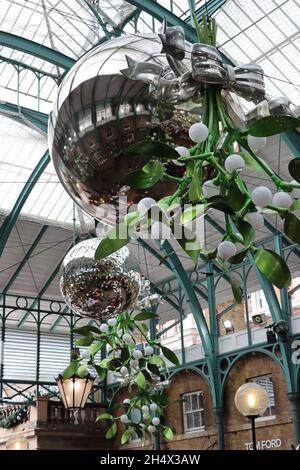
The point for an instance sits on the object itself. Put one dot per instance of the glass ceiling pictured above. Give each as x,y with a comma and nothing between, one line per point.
264,31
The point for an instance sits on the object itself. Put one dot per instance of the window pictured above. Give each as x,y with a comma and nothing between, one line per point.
266,381
193,411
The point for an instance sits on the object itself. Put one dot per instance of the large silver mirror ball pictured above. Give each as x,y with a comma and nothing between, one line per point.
99,289
99,112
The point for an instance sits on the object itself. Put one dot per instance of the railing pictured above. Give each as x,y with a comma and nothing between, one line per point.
84,418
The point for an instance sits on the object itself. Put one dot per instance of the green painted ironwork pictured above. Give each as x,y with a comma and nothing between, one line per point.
11,219
159,12
25,259
38,50
28,116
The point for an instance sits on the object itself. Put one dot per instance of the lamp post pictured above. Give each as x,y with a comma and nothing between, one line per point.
251,401
75,390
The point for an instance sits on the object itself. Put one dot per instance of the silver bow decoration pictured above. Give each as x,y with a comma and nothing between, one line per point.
181,83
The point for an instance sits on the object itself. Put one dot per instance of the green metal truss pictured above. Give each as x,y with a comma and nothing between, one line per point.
29,117
38,50
11,219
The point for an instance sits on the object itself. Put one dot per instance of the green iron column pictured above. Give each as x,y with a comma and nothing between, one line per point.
214,331
295,411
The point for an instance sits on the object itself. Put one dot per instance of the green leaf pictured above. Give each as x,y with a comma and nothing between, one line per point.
95,347
105,362
156,360
82,370
145,315
154,369
144,327
191,213
151,148
271,125
170,355
295,206
111,431
221,204
188,241
236,290
239,257
126,436
247,232
105,416
86,341
273,267
84,330
140,380
116,238
294,169
250,162
194,191
147,375
235,199
101,372
139,179
292,227
154,168
124,355
168,433
132,218
70,370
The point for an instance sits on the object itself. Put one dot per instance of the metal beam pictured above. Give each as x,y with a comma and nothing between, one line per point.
29,117
164,260
38,50
23,66
292,139
159,12
11,219
25,259
58,319
190,296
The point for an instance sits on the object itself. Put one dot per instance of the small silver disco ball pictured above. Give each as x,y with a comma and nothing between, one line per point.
99,289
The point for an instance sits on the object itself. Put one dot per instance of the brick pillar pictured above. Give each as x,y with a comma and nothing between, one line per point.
39,412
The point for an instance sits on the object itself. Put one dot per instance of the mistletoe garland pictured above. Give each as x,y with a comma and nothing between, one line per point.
18,416
140,372
227,150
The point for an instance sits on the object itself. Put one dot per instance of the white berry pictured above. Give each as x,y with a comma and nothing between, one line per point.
155,421
127,338
183,151
234,163
126,401
210,189
134,363
145,204
153,406
124,419
151,428
198,132
112,321
135,415
256,219
137,354
104,328
145,408
282,199
226,249
149,350
124,370
256,143
160,231
262,196
295,192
